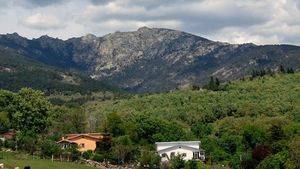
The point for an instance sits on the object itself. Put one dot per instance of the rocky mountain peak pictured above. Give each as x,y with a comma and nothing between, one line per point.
89,37
143,29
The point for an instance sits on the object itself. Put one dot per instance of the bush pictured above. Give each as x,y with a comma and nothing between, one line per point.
123,149
98,157
9,144
177,162
149,159
260,152
277,161
73,151
49,148
87,154
191,164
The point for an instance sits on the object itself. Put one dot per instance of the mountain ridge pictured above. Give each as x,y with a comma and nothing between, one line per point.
154,59
18,71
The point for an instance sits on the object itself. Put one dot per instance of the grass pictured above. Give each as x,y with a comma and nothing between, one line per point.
12,160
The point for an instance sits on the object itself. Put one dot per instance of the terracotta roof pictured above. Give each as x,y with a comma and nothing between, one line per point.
8,134
68,141
93,136
84,136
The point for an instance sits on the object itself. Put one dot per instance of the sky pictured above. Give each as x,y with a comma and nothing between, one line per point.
233,21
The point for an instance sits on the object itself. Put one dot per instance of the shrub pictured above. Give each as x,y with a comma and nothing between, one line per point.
73,151
277,161
149,159
260,152
191,164
98,157
177,162
123,149
49,148
87,154
9,144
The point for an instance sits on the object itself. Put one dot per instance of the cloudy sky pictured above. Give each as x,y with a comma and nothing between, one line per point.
234,21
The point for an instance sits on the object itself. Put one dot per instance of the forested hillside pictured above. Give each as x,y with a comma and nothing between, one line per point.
18,71
250,123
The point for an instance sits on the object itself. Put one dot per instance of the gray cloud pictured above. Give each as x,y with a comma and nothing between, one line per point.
44,2
97,2
236,21
37,3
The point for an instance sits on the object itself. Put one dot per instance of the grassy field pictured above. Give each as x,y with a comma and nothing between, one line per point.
12,160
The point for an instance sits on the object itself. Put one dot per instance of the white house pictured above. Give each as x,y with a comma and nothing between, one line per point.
188,149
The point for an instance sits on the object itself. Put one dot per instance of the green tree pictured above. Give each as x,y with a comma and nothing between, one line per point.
49,148
290,71
253,135
177,162
115,124
281,69
277,161
294,151
191,164
104,147
149,159
29,112
201,129
124,149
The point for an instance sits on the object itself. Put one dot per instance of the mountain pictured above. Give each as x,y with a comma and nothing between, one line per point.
154,59
18,71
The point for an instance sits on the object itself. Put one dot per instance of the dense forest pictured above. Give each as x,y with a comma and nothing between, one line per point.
247,124
250,123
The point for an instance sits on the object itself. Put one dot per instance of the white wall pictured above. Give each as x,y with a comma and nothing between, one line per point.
189,153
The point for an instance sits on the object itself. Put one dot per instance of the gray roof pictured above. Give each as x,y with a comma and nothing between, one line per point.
177,147
177,143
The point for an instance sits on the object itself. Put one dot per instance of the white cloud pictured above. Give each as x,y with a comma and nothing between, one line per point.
42,21
235,21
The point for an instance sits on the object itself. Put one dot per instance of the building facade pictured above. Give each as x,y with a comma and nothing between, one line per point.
187,149
83,142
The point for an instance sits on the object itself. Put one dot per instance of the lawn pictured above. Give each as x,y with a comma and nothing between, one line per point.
12,160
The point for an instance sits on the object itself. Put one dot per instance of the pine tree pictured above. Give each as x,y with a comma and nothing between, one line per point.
290,71
217,82
281,69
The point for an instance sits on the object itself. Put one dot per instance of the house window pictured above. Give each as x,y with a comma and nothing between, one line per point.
81,145
183,154
172,154
164,155
196,155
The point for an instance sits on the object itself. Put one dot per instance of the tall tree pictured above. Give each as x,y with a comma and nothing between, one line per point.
29,111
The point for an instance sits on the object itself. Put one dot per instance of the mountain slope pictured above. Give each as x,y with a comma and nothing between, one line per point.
17,71
265,96
154,59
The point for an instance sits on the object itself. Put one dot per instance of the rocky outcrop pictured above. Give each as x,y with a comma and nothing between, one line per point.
154,59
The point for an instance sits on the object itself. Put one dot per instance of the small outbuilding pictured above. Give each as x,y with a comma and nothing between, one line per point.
187,149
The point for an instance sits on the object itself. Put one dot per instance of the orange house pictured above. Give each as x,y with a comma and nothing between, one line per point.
84,142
